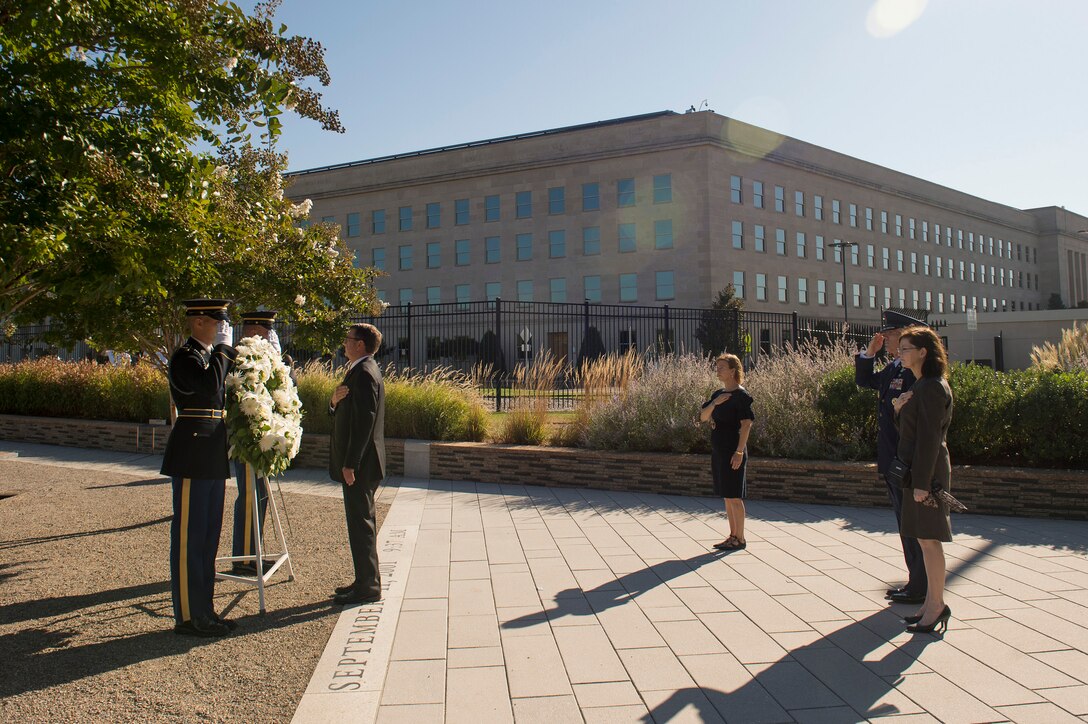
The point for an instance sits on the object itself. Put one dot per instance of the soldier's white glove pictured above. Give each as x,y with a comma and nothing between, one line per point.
274,340
224,333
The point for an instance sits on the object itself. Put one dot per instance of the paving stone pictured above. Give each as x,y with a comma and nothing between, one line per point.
968,673
1037,714
999,656
616,715
534,666
852,682
1074,699
473,631
705,599
588,655
681,707
1074,663
468,598
412,714
478,695
946,701
731,688
474,658
610,693
532,710
415,682
766,612
469,570
792,685
743,638
420,635
654,668
689,637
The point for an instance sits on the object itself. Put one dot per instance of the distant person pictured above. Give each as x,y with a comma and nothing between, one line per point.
196,461
892,380
729,411
923,416
357,457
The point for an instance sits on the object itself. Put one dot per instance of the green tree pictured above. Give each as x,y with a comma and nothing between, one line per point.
719,328
109,213
1055,301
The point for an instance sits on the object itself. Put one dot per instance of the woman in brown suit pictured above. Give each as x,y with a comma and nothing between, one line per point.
923,416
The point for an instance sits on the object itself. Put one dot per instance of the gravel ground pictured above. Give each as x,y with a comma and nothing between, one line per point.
85,612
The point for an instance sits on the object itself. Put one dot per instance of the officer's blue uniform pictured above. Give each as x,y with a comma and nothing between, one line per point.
890,382
196,461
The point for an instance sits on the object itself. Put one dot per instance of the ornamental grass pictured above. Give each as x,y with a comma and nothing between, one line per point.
53,388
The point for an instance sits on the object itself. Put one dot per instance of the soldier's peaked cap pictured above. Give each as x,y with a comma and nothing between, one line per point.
214,308
263,318
898,320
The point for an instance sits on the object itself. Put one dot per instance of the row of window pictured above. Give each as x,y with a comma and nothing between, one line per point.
997,276
800,209
918,299
664,290
525,246
523,207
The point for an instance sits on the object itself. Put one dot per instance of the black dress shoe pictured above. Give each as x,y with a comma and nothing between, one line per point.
231,625
893,591
353,597
345,589
203,627
906,597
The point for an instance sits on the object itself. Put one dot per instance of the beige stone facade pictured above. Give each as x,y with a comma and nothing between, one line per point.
563,197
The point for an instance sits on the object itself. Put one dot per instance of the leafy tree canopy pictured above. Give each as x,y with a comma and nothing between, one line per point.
109,215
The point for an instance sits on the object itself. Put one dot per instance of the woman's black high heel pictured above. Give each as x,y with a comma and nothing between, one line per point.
911,619
942,622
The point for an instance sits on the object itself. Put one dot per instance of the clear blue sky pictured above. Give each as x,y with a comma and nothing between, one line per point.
984,96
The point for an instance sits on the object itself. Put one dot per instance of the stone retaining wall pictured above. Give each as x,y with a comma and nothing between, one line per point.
1028,492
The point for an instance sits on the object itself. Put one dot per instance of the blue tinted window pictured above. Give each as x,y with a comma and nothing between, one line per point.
663,234
491,208
663,189
591,197
591,240
460,212
557,244
625,192
523,204
405,218
627,237
557,200
377,221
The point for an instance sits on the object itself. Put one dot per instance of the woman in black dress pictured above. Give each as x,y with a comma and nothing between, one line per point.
729,411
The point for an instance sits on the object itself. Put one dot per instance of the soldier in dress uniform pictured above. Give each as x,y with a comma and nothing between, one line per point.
254,324
196,461
891,381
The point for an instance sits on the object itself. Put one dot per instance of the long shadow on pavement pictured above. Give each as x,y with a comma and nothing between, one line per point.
42,657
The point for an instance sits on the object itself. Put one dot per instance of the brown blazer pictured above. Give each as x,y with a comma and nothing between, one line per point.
923,429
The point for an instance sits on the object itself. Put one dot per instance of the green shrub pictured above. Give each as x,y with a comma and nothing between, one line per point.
316,382
983,414
1052,420
440,405
847,415
52,388
522,426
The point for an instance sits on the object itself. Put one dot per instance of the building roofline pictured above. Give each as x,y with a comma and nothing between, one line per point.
485,142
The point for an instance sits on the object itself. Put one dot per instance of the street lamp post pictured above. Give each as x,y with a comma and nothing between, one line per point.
842,246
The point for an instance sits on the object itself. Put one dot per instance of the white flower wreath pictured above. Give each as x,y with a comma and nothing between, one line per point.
264,414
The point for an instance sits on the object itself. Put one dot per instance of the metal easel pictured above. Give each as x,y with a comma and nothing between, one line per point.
283,557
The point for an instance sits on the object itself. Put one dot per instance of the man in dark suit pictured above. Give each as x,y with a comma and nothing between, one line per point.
357,457
196,461
890,382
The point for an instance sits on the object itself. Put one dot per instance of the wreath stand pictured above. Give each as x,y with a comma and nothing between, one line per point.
283,557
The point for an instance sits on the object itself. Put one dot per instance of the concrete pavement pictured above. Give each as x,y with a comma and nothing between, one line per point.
527,604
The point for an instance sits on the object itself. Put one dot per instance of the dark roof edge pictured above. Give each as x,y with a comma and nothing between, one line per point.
485,142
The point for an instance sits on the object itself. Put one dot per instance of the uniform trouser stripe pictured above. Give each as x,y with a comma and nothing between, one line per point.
250,489
183,549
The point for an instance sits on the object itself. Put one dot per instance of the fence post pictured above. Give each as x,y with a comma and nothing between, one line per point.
585,328
409,335
668,337
498,343
793,329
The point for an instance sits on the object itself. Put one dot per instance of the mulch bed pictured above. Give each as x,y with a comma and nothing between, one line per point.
85,612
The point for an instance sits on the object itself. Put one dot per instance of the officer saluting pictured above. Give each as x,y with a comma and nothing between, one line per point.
254,324
891,381
196,461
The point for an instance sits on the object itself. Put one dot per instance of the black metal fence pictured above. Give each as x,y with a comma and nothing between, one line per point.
502,334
